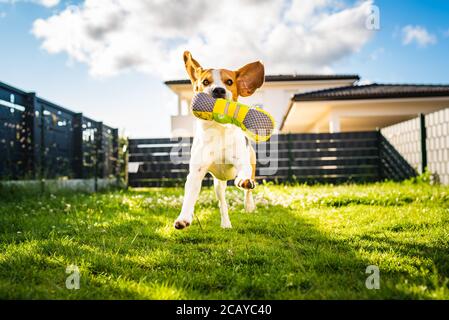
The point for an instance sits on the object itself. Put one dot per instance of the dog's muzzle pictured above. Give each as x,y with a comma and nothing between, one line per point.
219,92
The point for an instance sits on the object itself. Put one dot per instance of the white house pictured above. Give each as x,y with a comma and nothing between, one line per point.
325,103
362,108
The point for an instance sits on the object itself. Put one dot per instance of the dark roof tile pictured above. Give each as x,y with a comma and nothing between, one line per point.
291,77
375,91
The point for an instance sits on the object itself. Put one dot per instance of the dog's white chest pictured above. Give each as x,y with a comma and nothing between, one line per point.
221,146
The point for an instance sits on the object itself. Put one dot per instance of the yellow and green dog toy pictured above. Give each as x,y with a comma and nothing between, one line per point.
257,123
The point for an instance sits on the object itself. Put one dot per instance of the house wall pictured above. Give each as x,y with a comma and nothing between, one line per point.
182,125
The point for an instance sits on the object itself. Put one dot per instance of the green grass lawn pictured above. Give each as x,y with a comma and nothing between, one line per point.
301,243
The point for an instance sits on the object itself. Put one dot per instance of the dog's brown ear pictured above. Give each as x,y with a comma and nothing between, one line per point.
193,68
249,78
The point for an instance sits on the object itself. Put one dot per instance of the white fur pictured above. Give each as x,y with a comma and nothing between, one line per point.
223,151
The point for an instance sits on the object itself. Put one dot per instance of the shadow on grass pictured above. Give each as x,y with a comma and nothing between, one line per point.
435,254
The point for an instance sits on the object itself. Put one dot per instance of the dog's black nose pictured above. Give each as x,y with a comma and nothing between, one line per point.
219,92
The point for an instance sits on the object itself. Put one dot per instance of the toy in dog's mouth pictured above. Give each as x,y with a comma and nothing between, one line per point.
257,123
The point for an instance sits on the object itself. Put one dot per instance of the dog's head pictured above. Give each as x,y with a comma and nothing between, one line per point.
222,83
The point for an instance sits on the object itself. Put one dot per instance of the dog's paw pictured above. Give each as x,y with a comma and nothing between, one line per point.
247,184
181,224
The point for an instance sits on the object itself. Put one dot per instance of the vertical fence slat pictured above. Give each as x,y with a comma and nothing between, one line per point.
115,154
33,156
98,153
78,145
42,146
290,157
423,137
380,168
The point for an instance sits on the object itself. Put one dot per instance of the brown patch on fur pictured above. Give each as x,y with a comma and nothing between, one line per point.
250,77
227,75
248,184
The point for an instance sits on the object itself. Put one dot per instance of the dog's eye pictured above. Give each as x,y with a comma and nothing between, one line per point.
206,82
229,82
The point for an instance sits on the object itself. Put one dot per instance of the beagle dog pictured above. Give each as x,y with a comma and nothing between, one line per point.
221,149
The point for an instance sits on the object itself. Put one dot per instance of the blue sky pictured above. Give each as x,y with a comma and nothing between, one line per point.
405,63
136,100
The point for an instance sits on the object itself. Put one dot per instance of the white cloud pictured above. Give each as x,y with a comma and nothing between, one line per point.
46,3
417,34
112,36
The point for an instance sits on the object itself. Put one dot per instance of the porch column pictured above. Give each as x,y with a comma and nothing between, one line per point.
179,105
188,103
334,123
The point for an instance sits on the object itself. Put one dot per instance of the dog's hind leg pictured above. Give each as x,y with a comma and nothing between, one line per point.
249,201
220,190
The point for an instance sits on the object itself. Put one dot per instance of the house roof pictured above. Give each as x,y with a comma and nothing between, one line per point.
290,77
375,91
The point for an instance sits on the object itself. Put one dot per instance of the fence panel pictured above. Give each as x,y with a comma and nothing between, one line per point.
14,134
39,139
424,142
393,166
56,128
437,144
405,138
110,151
89,147
326,157
13,145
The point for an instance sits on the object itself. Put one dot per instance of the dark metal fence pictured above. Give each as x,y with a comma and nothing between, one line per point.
39,139
312,158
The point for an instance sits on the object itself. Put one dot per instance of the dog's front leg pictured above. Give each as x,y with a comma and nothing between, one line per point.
242,163
191,191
